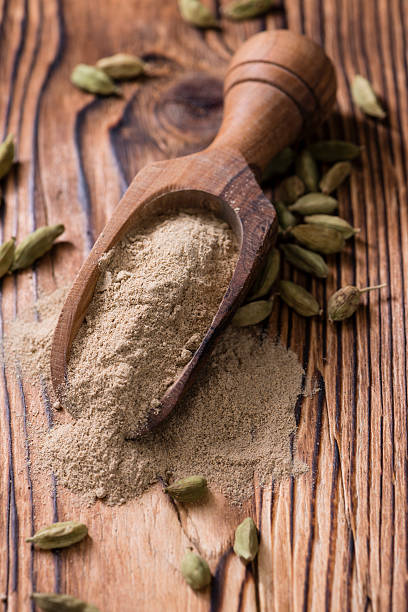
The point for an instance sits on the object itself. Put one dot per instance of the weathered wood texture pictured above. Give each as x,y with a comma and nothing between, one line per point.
336,537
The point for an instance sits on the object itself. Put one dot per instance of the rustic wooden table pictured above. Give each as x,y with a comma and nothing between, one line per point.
336,537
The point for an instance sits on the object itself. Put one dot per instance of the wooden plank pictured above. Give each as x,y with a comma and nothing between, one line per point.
336,537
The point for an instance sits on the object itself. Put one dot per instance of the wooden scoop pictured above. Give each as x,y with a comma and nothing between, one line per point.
278,85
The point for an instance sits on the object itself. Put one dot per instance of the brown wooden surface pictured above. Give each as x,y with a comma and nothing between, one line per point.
336,537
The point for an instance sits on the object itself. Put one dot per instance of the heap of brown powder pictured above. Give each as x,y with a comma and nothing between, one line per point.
158,292
237,420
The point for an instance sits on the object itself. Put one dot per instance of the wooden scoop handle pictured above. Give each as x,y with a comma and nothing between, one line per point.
278,85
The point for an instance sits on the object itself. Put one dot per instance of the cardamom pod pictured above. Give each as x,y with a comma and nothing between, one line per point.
299,299
346,300
334,177
246,9
336,223
7,250
93,80
252,313
267,277
285,217
59,535
189,489
279,164
306,169
195,571
319,238
35,245
196,13
291,189
364,96
305,260
334,150
246,543
55,602
314,203
122,66
6,155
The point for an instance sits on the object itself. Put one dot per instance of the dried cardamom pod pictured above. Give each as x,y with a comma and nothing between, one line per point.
291,189
195,571
299,299
189,489
7,250
314,203
6,155
246,543
279,164
346,300
246,9
54,602
267,277
319,238
196,13
305,260
364,96
336,223
122,66
35,245
334,150
285,217
93,80
306,169
59,535
334,177
252,313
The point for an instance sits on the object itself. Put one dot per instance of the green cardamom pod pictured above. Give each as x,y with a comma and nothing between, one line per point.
285,217
93,80
267,277
364,96
306,169
305,260
196,13
189,489
35,245
59,535
7,250
334,150
54,602
279,164
291,189
299,299
319,238
122,66
6,155
345,301
334,177
246,543
314,203
246,9
333,222
195,571
252,313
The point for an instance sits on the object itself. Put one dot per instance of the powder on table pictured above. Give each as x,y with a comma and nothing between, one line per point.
236,422
29,337
157,294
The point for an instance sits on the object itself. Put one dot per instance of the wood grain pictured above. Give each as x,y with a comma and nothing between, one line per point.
333,539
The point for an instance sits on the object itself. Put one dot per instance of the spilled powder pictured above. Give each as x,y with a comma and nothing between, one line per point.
235,423
156,297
